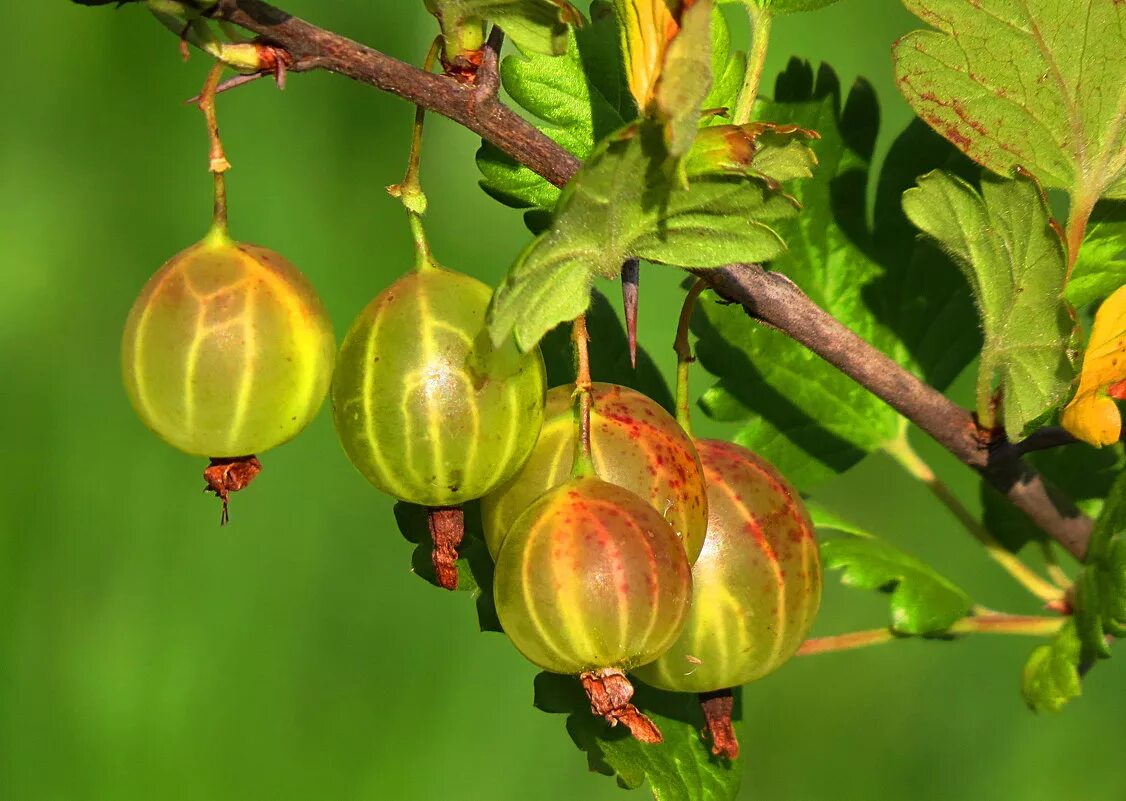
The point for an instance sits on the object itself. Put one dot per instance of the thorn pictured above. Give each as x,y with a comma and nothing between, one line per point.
631,279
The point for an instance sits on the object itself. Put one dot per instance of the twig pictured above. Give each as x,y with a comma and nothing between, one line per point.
1028,625
763,295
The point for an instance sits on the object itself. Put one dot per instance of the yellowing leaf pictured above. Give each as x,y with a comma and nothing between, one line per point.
1092,415
686,78
647,28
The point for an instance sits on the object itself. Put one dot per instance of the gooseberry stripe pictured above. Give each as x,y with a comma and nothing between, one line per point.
771,558
371,441
809,551
429,347
246,380
526,578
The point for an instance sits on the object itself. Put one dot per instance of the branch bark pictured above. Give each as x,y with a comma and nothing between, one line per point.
766,296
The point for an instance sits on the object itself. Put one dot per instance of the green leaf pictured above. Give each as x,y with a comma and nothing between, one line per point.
1101,265
1034,84
580,97
621,205
1015,262
474,565
800,413
1051,675
537,26
923,602
1100,597
681,768
1078,473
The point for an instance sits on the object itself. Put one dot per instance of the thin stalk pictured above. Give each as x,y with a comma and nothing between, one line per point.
409,190
1026,625
684,357
217,159
1077,218
1055,572
756,60
584,458
900,449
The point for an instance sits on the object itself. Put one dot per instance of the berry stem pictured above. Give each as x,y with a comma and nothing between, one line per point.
684,357
1052,565
901,450
217,164
756,60
409,190
1027,625
584,458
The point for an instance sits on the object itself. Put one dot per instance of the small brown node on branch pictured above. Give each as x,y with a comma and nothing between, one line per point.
717,707
274,59
230,474
447,528
609,692
464,66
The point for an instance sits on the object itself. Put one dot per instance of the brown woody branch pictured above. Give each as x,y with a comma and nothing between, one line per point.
766,296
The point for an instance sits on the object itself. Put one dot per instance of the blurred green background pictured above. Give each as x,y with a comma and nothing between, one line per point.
146,653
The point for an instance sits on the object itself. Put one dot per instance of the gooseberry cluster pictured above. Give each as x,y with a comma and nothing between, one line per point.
621,544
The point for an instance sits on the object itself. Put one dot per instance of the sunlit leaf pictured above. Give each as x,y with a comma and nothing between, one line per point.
1034,84
922,601
1014,260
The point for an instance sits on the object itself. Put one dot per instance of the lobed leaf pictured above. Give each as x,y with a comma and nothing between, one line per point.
1015,262
1051,676
1034,84
796,411
679,769
1092,415
923,602
580,98
622,205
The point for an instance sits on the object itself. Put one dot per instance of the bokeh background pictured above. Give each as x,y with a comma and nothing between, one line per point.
145,653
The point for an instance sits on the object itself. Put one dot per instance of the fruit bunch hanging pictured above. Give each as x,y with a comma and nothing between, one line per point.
621,545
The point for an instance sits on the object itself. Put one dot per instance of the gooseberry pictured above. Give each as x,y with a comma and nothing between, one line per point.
756,584
424,405
635,444
592,581
228,351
